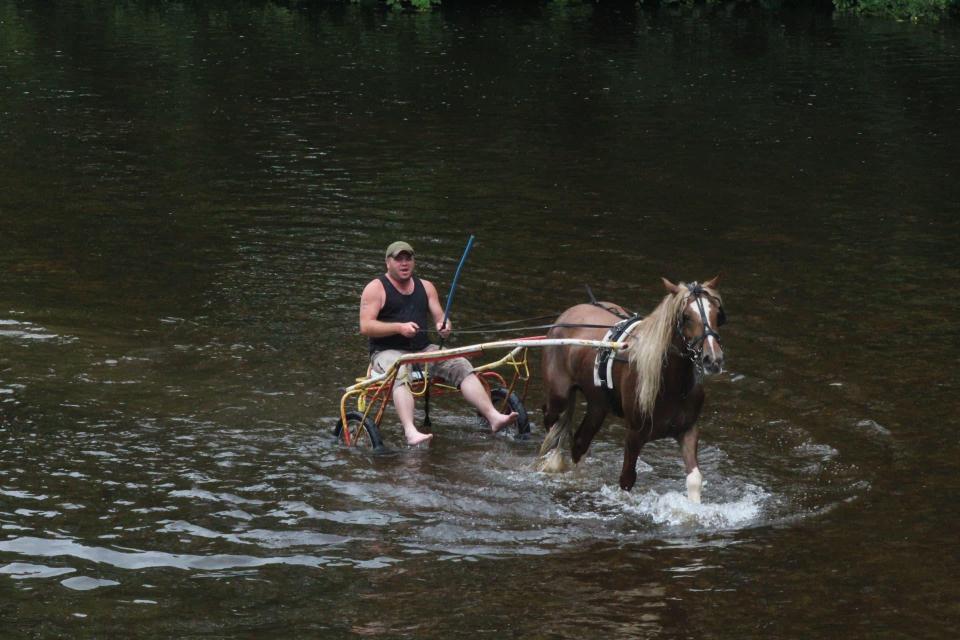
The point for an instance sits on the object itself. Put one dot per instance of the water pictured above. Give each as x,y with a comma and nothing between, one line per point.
193,197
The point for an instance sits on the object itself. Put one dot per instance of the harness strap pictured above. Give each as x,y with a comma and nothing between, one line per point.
615,312
603,364
697,292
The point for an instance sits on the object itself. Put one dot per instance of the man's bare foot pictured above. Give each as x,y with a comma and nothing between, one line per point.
502,420
418,438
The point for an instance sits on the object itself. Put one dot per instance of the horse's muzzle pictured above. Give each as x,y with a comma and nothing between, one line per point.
711,364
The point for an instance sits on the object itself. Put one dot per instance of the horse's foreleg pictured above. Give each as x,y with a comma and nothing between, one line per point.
631,450
592,419
688,450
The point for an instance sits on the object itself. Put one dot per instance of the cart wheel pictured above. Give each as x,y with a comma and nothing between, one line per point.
497,394
363,431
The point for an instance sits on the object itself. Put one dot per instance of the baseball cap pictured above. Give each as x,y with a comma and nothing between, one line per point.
397,247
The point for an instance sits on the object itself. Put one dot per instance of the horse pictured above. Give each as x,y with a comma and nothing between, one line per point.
656,387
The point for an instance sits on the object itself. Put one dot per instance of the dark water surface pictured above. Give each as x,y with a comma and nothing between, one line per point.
192,198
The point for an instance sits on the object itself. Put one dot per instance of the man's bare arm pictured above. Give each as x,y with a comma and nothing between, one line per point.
436,311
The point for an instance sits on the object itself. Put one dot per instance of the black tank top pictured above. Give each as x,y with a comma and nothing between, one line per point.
401,308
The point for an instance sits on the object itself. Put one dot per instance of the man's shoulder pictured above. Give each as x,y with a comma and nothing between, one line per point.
374,286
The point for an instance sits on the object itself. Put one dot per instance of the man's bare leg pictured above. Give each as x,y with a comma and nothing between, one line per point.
476,394
403,402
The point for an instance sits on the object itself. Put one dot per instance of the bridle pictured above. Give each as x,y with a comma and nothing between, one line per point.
694,347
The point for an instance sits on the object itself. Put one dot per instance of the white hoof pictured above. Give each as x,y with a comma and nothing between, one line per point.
694,484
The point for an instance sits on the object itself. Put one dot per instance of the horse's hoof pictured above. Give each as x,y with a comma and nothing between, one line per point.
627,483
552,462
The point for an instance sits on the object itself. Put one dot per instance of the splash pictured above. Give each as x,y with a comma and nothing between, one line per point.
674,509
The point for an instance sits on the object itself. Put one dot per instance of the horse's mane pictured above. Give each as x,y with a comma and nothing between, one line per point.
651,343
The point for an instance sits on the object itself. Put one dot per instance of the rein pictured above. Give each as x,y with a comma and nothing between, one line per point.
508,325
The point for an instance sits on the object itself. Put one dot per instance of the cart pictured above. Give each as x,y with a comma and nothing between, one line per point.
364,403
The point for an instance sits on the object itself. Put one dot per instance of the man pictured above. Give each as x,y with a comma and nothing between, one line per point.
395,311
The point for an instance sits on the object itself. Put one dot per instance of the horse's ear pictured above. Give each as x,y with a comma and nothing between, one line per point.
712,284
669,286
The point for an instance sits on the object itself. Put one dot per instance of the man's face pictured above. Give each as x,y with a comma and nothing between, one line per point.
400,266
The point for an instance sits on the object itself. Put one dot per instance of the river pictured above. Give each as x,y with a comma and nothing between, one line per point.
193,196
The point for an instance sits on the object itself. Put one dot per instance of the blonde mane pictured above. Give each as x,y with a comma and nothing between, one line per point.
650,343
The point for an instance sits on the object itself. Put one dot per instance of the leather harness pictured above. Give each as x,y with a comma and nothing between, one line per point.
603,364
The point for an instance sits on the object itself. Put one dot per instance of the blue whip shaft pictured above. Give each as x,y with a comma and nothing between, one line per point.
453,285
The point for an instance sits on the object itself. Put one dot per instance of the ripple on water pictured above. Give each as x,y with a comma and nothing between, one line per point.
470,495
84,583
23,571
873,428
263,538
214,497
22,495
133,559
362,517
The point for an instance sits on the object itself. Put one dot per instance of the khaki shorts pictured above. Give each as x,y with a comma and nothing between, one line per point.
453,371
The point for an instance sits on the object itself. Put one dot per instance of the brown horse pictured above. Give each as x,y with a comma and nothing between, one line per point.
656,384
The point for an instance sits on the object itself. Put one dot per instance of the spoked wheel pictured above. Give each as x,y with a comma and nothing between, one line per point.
363,432
497,395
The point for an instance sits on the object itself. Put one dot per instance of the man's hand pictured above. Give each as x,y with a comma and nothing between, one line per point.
444,331
408,329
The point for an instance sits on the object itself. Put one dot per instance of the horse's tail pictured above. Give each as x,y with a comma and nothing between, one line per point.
555,450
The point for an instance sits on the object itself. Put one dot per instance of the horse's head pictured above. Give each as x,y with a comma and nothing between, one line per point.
700,314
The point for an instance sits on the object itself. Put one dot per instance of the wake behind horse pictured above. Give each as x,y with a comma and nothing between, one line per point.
656,385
